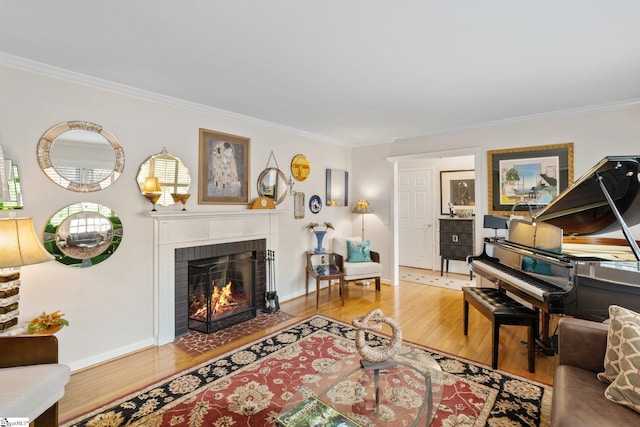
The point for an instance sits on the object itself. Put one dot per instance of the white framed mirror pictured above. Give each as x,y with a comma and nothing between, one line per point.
80,156
272,183
173,176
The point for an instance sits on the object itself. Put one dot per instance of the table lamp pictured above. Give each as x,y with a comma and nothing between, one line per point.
152,190
19,245
362,207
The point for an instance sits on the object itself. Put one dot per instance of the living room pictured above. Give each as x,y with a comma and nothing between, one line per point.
112,306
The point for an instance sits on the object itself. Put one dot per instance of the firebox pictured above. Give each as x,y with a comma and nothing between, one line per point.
221,292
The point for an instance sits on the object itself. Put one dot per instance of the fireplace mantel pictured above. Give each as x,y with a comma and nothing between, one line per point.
182,229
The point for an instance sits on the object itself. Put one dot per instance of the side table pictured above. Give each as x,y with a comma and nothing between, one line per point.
327,270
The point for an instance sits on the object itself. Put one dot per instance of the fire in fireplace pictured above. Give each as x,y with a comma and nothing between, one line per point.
221,291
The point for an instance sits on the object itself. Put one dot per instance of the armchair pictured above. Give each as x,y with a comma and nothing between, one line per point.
356,270
32,379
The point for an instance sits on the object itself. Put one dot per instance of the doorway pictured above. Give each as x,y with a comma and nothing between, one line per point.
436,163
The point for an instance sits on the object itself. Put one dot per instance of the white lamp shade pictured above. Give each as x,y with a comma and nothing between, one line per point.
19,244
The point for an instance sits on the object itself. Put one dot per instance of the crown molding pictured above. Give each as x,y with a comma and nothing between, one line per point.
597,108
72,76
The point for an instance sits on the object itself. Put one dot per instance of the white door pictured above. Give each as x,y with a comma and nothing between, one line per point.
416,231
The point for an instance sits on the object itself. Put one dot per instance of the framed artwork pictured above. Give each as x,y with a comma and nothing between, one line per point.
457,188
535,175
223,170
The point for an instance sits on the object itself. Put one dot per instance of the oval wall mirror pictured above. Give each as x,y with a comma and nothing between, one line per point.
80,156
300,167
172,174
83,234
272,183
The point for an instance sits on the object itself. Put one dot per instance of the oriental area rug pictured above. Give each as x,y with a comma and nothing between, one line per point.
251,385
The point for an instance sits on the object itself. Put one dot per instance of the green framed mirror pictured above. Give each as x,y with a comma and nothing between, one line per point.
83,234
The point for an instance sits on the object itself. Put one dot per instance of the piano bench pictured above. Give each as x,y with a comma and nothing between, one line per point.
501,309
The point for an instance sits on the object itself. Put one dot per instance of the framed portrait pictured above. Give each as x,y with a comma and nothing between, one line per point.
535,175
223,174
457,188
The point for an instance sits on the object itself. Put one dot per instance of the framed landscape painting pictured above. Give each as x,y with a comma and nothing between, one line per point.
223,175
532,175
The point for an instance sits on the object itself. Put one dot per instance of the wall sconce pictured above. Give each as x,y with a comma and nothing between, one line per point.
151,190
19,245
362,207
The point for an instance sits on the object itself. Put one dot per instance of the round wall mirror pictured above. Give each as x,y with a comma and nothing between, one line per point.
272,183
300,167
172,174
80,156
83,234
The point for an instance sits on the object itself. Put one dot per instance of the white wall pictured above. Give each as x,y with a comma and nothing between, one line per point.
595,135
110,305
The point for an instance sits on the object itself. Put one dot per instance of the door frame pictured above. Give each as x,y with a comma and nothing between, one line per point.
481,194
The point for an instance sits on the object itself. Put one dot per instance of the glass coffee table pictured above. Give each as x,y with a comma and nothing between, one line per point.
407,394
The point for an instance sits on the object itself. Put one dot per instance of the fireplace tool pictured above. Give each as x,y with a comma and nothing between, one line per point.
271,297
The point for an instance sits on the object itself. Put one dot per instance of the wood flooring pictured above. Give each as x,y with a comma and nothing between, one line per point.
429,315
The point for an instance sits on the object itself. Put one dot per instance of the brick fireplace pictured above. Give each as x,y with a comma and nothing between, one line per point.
192,234
242,263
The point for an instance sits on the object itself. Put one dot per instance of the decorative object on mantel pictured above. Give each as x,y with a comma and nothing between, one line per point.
173,177
315,204
362,207
262,203
47,323
20,246
151,190
182,198
372,321
319,234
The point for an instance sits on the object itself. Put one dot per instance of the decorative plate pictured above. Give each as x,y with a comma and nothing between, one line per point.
315,204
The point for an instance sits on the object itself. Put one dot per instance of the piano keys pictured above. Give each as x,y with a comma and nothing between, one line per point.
555,261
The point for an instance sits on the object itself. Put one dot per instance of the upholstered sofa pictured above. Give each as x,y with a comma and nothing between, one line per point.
361,270
578,395
32,379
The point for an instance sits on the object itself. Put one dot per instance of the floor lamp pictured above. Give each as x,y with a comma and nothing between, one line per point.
362,207
19,245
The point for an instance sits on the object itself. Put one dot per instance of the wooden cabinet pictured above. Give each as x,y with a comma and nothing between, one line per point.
456,240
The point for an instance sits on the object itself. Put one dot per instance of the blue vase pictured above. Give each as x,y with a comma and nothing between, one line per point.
319,236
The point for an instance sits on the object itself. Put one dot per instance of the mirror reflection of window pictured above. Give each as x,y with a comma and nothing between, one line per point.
172,175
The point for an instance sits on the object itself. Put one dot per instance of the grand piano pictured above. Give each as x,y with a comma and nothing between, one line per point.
568,257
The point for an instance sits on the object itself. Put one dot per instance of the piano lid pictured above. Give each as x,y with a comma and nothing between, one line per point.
583,208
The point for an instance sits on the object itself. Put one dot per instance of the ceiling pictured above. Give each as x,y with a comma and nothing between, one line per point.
352,72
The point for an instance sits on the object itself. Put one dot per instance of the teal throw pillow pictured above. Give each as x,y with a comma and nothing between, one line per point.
359,252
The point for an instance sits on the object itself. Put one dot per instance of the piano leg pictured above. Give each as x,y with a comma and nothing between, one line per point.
544,342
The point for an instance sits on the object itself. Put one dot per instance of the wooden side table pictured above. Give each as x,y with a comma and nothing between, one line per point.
327,270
